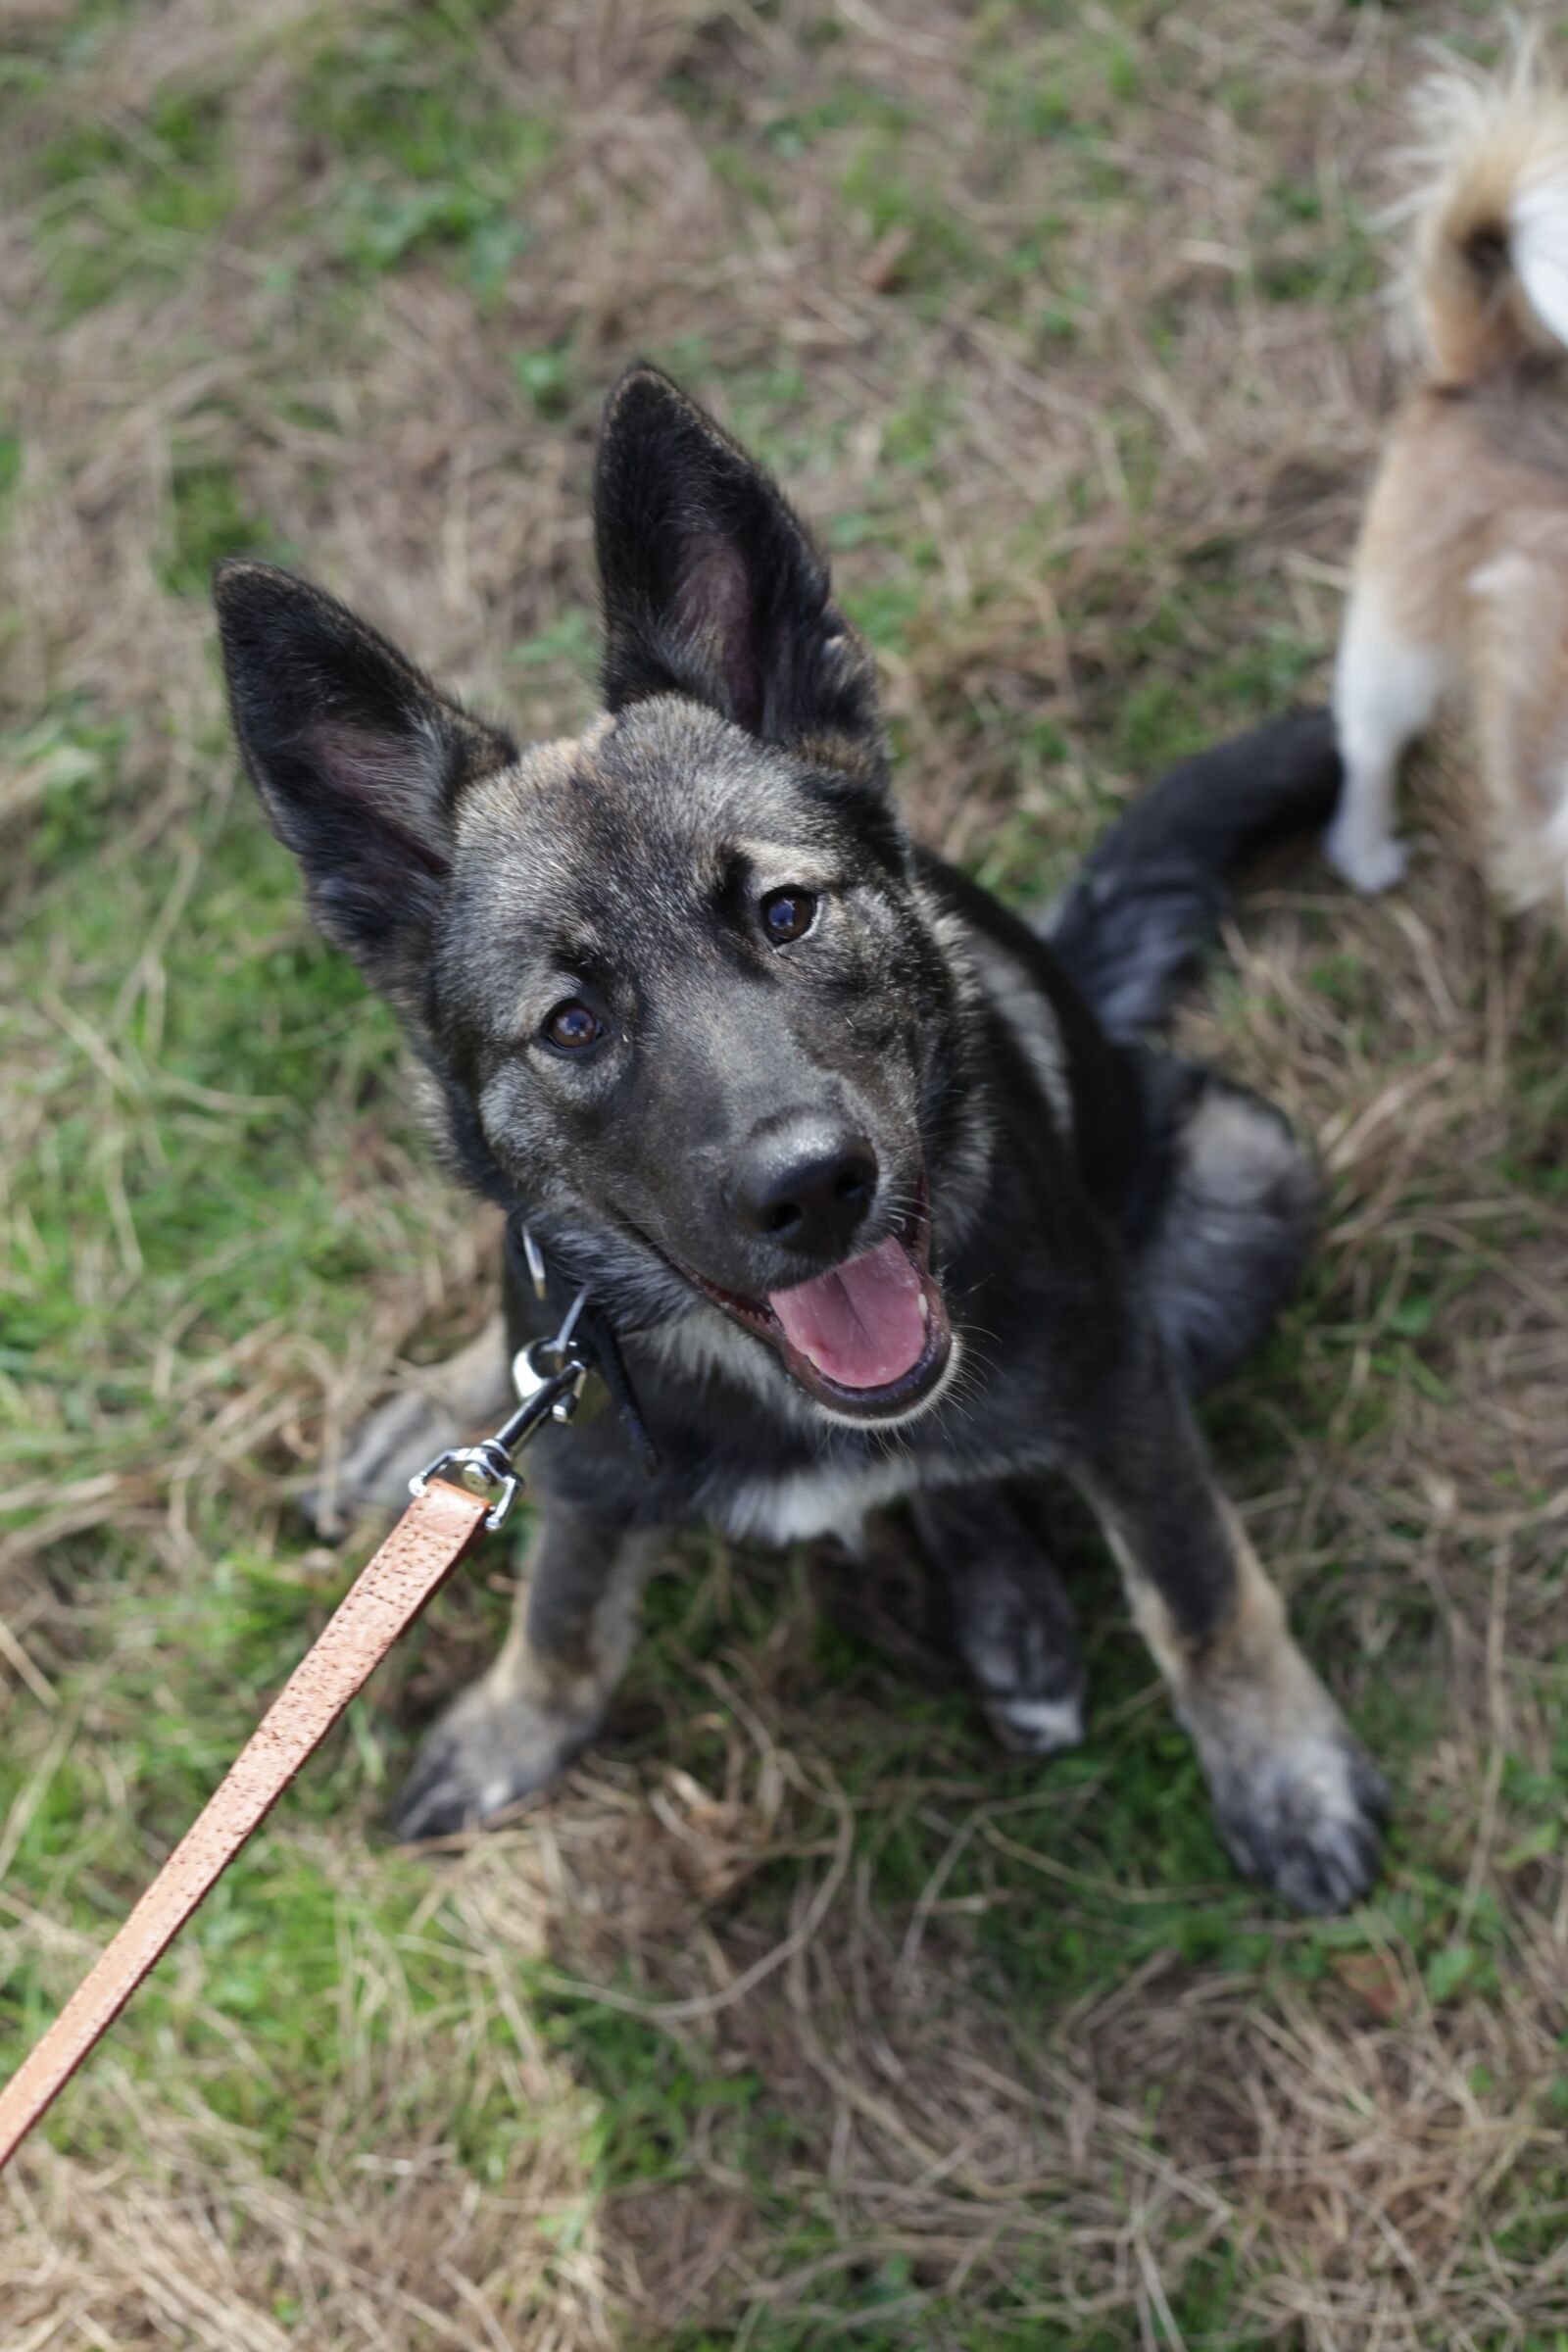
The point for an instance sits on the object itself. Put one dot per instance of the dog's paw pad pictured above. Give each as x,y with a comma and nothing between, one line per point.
1369,866
1036,1726
482,1756
1309,1820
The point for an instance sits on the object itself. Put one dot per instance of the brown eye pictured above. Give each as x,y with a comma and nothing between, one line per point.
787,914
573,1025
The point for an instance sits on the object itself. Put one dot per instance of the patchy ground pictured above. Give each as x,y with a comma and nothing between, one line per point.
800,2014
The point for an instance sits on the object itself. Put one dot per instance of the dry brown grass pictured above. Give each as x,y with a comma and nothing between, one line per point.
1350,2156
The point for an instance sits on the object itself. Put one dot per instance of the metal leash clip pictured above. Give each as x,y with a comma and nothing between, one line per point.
548,1376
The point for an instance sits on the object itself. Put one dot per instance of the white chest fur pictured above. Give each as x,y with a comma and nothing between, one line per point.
832,1500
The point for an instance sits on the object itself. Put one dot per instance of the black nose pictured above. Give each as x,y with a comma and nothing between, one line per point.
806,1185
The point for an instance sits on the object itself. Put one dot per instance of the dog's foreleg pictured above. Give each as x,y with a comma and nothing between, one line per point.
1387,687
443,1406
1297,1801
546,1695
1011,1618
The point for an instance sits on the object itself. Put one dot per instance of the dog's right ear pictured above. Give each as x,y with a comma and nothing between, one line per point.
357,759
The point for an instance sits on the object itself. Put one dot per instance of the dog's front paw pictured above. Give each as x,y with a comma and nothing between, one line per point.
1307,1816
381,1455
1369,862
490,1748
1036,1727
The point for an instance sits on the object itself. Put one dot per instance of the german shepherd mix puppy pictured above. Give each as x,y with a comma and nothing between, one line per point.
1461,576
879,1207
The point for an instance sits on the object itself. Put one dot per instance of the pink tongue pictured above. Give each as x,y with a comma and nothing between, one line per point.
861,1324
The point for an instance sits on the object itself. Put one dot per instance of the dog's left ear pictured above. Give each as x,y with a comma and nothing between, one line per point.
712,586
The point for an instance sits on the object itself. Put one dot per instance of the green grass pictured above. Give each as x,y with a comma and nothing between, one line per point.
123,206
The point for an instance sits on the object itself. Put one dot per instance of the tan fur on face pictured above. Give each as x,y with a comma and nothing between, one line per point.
542,767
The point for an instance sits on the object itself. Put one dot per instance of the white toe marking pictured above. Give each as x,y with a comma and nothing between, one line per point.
1059,1721
1369,862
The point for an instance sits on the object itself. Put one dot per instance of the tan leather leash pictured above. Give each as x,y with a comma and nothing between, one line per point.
429,1540
439,1528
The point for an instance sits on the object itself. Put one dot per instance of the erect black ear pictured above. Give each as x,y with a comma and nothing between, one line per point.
357,757
712,585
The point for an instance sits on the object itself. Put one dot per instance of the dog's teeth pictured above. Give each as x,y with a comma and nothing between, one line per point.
926,1309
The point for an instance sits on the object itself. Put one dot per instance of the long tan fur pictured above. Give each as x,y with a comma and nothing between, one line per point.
1461,576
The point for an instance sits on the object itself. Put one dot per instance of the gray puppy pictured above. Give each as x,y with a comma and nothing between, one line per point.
883,1193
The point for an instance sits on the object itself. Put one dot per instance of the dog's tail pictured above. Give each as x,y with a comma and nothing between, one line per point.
1153,890
1489,274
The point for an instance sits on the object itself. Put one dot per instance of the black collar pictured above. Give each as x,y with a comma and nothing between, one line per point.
594,1331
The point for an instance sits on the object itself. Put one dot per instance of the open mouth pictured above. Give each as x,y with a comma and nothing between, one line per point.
871,1338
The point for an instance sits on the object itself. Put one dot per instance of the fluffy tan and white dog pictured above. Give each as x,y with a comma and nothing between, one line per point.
1461,576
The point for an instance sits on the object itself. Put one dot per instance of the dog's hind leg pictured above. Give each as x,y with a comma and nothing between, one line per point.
1387,687
1230,1233
1298,1802
444,1405
1011,1616
545,1697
